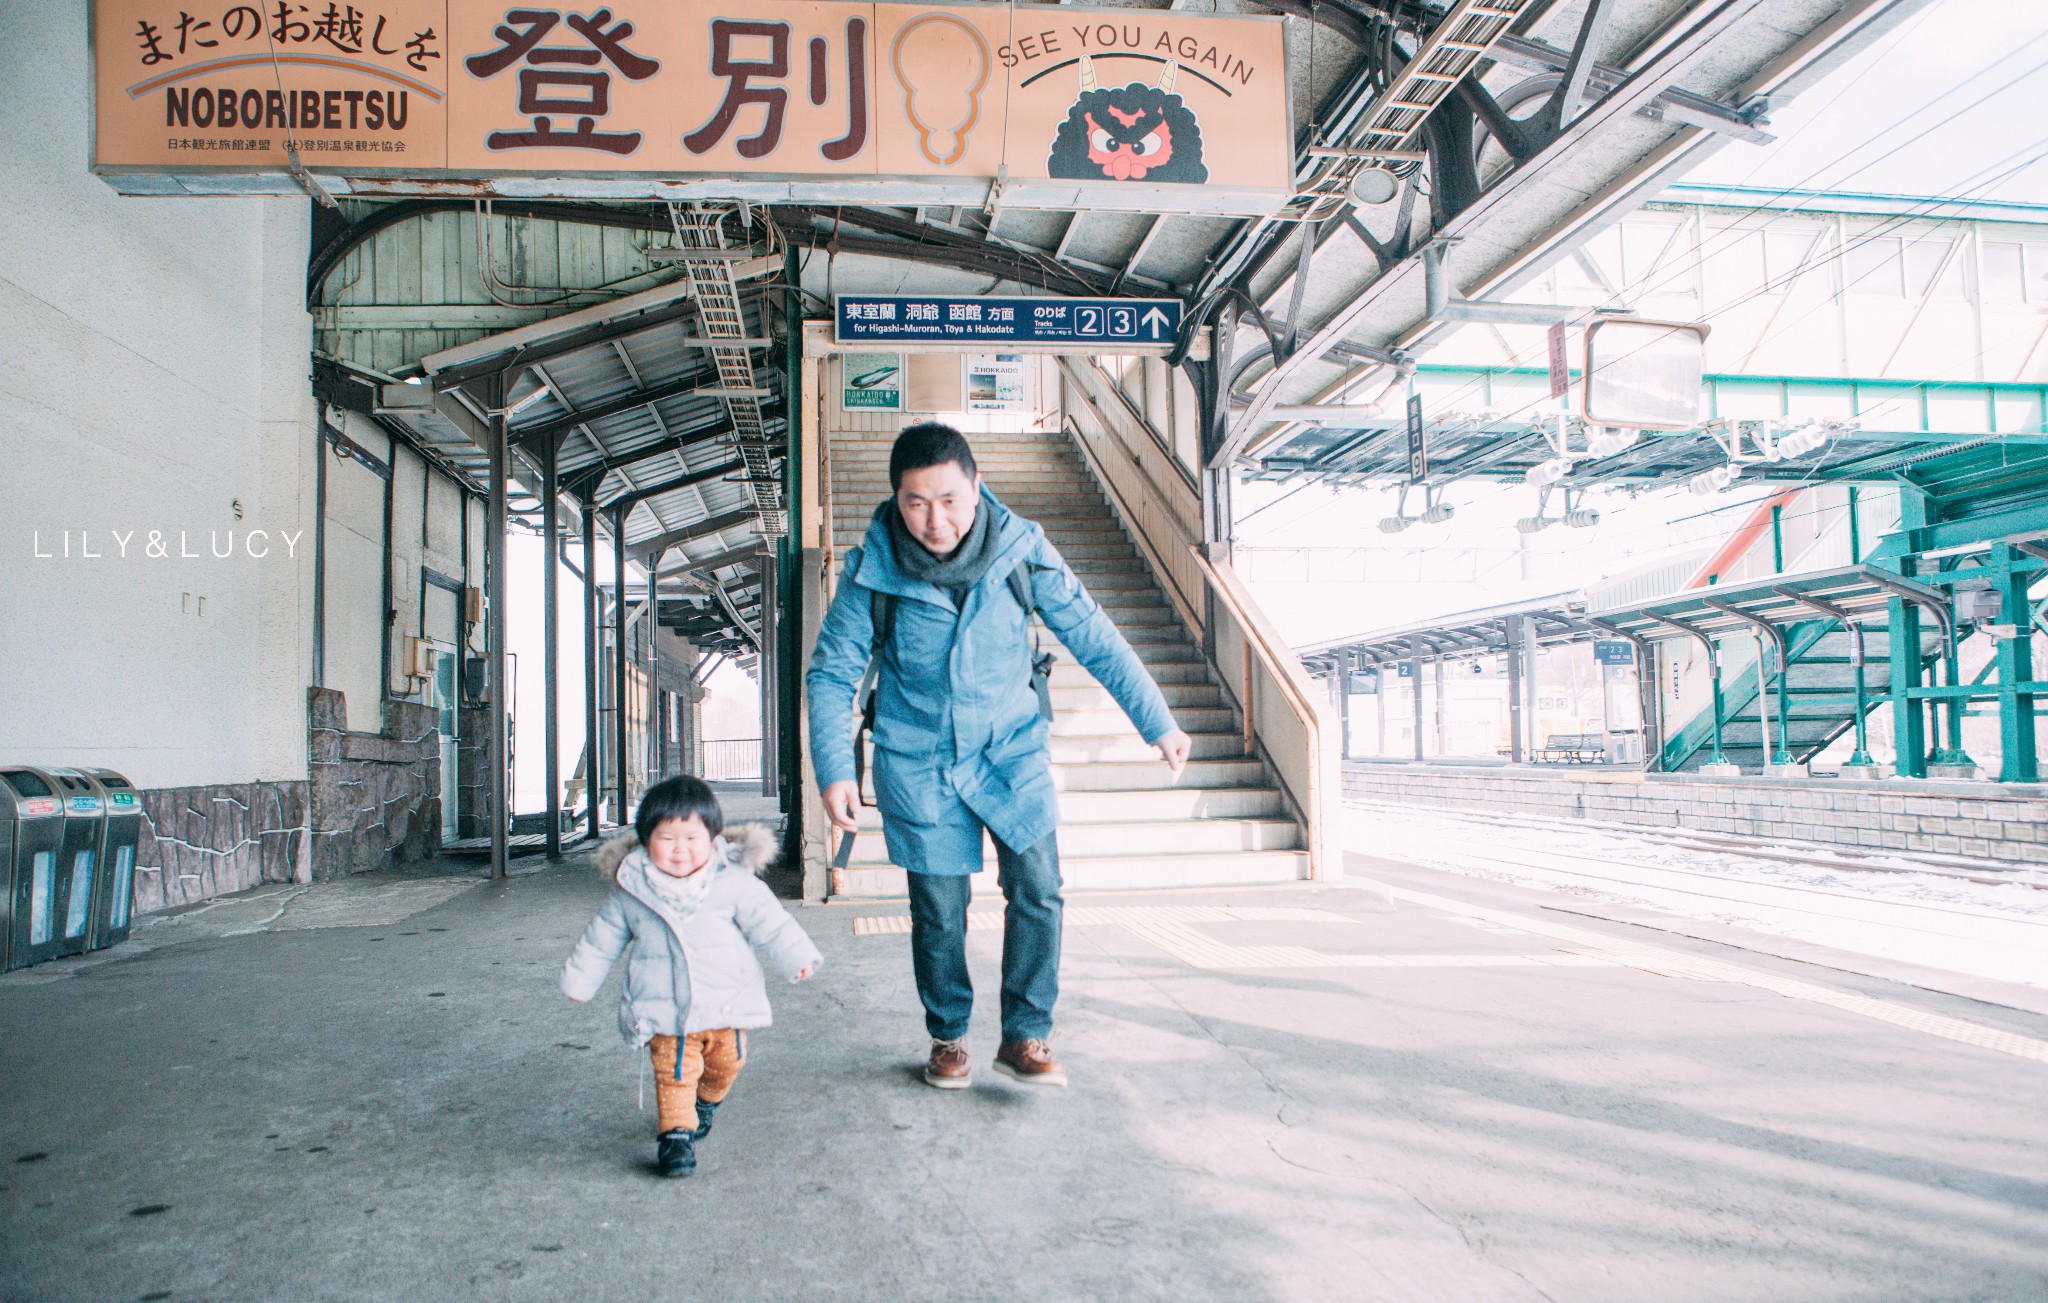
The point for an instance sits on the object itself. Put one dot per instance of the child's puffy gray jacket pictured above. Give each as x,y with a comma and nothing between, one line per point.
689,974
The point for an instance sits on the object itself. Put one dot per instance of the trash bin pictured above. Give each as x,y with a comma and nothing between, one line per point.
114,899
78,858
32,826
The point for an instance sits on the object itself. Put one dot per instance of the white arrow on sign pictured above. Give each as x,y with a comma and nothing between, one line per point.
1155,319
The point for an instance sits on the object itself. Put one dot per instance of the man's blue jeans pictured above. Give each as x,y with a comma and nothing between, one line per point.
1031,943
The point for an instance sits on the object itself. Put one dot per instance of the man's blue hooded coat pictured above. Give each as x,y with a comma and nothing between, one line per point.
959,742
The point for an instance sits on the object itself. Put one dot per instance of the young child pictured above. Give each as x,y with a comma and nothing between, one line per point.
687,901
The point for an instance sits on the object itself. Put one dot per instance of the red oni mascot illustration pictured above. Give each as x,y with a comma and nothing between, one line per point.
1128,133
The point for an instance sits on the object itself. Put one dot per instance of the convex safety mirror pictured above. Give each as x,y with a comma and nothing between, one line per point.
1644,375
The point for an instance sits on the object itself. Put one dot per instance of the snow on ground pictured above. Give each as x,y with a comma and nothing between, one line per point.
1999,932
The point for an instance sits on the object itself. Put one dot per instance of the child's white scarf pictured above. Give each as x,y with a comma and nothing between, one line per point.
682,895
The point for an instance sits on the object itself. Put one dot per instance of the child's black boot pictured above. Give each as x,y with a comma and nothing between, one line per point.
674,1154
705,1112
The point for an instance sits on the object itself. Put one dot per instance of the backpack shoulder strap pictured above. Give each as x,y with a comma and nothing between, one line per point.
881,614
1041,660
1020,588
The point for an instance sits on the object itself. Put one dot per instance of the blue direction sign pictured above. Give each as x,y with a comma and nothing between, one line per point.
1103,324
1614,651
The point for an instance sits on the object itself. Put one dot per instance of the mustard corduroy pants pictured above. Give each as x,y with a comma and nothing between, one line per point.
701,1065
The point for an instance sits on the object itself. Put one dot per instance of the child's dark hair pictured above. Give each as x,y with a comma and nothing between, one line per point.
928,443
678,798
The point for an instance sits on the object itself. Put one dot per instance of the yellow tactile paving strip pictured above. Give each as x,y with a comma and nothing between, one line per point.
1168,927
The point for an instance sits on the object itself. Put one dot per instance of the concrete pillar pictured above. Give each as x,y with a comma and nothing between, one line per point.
1512,650
1415,687
1530,722
1343,681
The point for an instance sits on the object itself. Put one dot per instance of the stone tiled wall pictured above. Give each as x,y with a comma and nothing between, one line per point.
1999,822
375,798
200,842
472,770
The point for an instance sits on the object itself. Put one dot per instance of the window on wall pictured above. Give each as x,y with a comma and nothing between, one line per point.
1927,258
2005,273
1653,255
1874,266
1732,264
2015,273
1787,257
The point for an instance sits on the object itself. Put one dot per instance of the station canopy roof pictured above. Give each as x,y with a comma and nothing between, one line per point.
1859,594
1512,130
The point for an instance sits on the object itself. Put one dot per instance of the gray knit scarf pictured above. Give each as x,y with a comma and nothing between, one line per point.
956,573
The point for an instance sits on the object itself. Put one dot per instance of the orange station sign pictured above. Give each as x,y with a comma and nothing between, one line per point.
1029,105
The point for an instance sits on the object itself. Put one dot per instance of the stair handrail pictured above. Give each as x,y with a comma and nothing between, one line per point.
1222,614
1314,792
1187,601
1852,625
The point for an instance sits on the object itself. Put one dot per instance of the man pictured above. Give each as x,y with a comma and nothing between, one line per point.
959,737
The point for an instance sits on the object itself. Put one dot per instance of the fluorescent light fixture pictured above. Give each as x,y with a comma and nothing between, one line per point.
526,402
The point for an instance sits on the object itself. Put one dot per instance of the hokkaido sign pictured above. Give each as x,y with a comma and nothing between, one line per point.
796,99
1095,324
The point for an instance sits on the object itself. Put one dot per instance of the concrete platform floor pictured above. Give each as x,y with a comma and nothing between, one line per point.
1446,1090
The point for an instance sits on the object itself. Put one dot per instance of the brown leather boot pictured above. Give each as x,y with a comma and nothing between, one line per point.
949,1068
1031,1062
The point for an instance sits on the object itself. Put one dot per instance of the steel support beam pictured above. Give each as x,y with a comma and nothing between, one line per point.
498,748
619,661
632,496
584,480
1562,157
694,382
692,532
593,742
1935,603
2015,657
551,656
657,726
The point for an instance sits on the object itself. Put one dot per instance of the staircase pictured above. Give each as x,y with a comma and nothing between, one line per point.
1822,693
1125,822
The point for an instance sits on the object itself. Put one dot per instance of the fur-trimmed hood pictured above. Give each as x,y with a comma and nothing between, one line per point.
750,846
